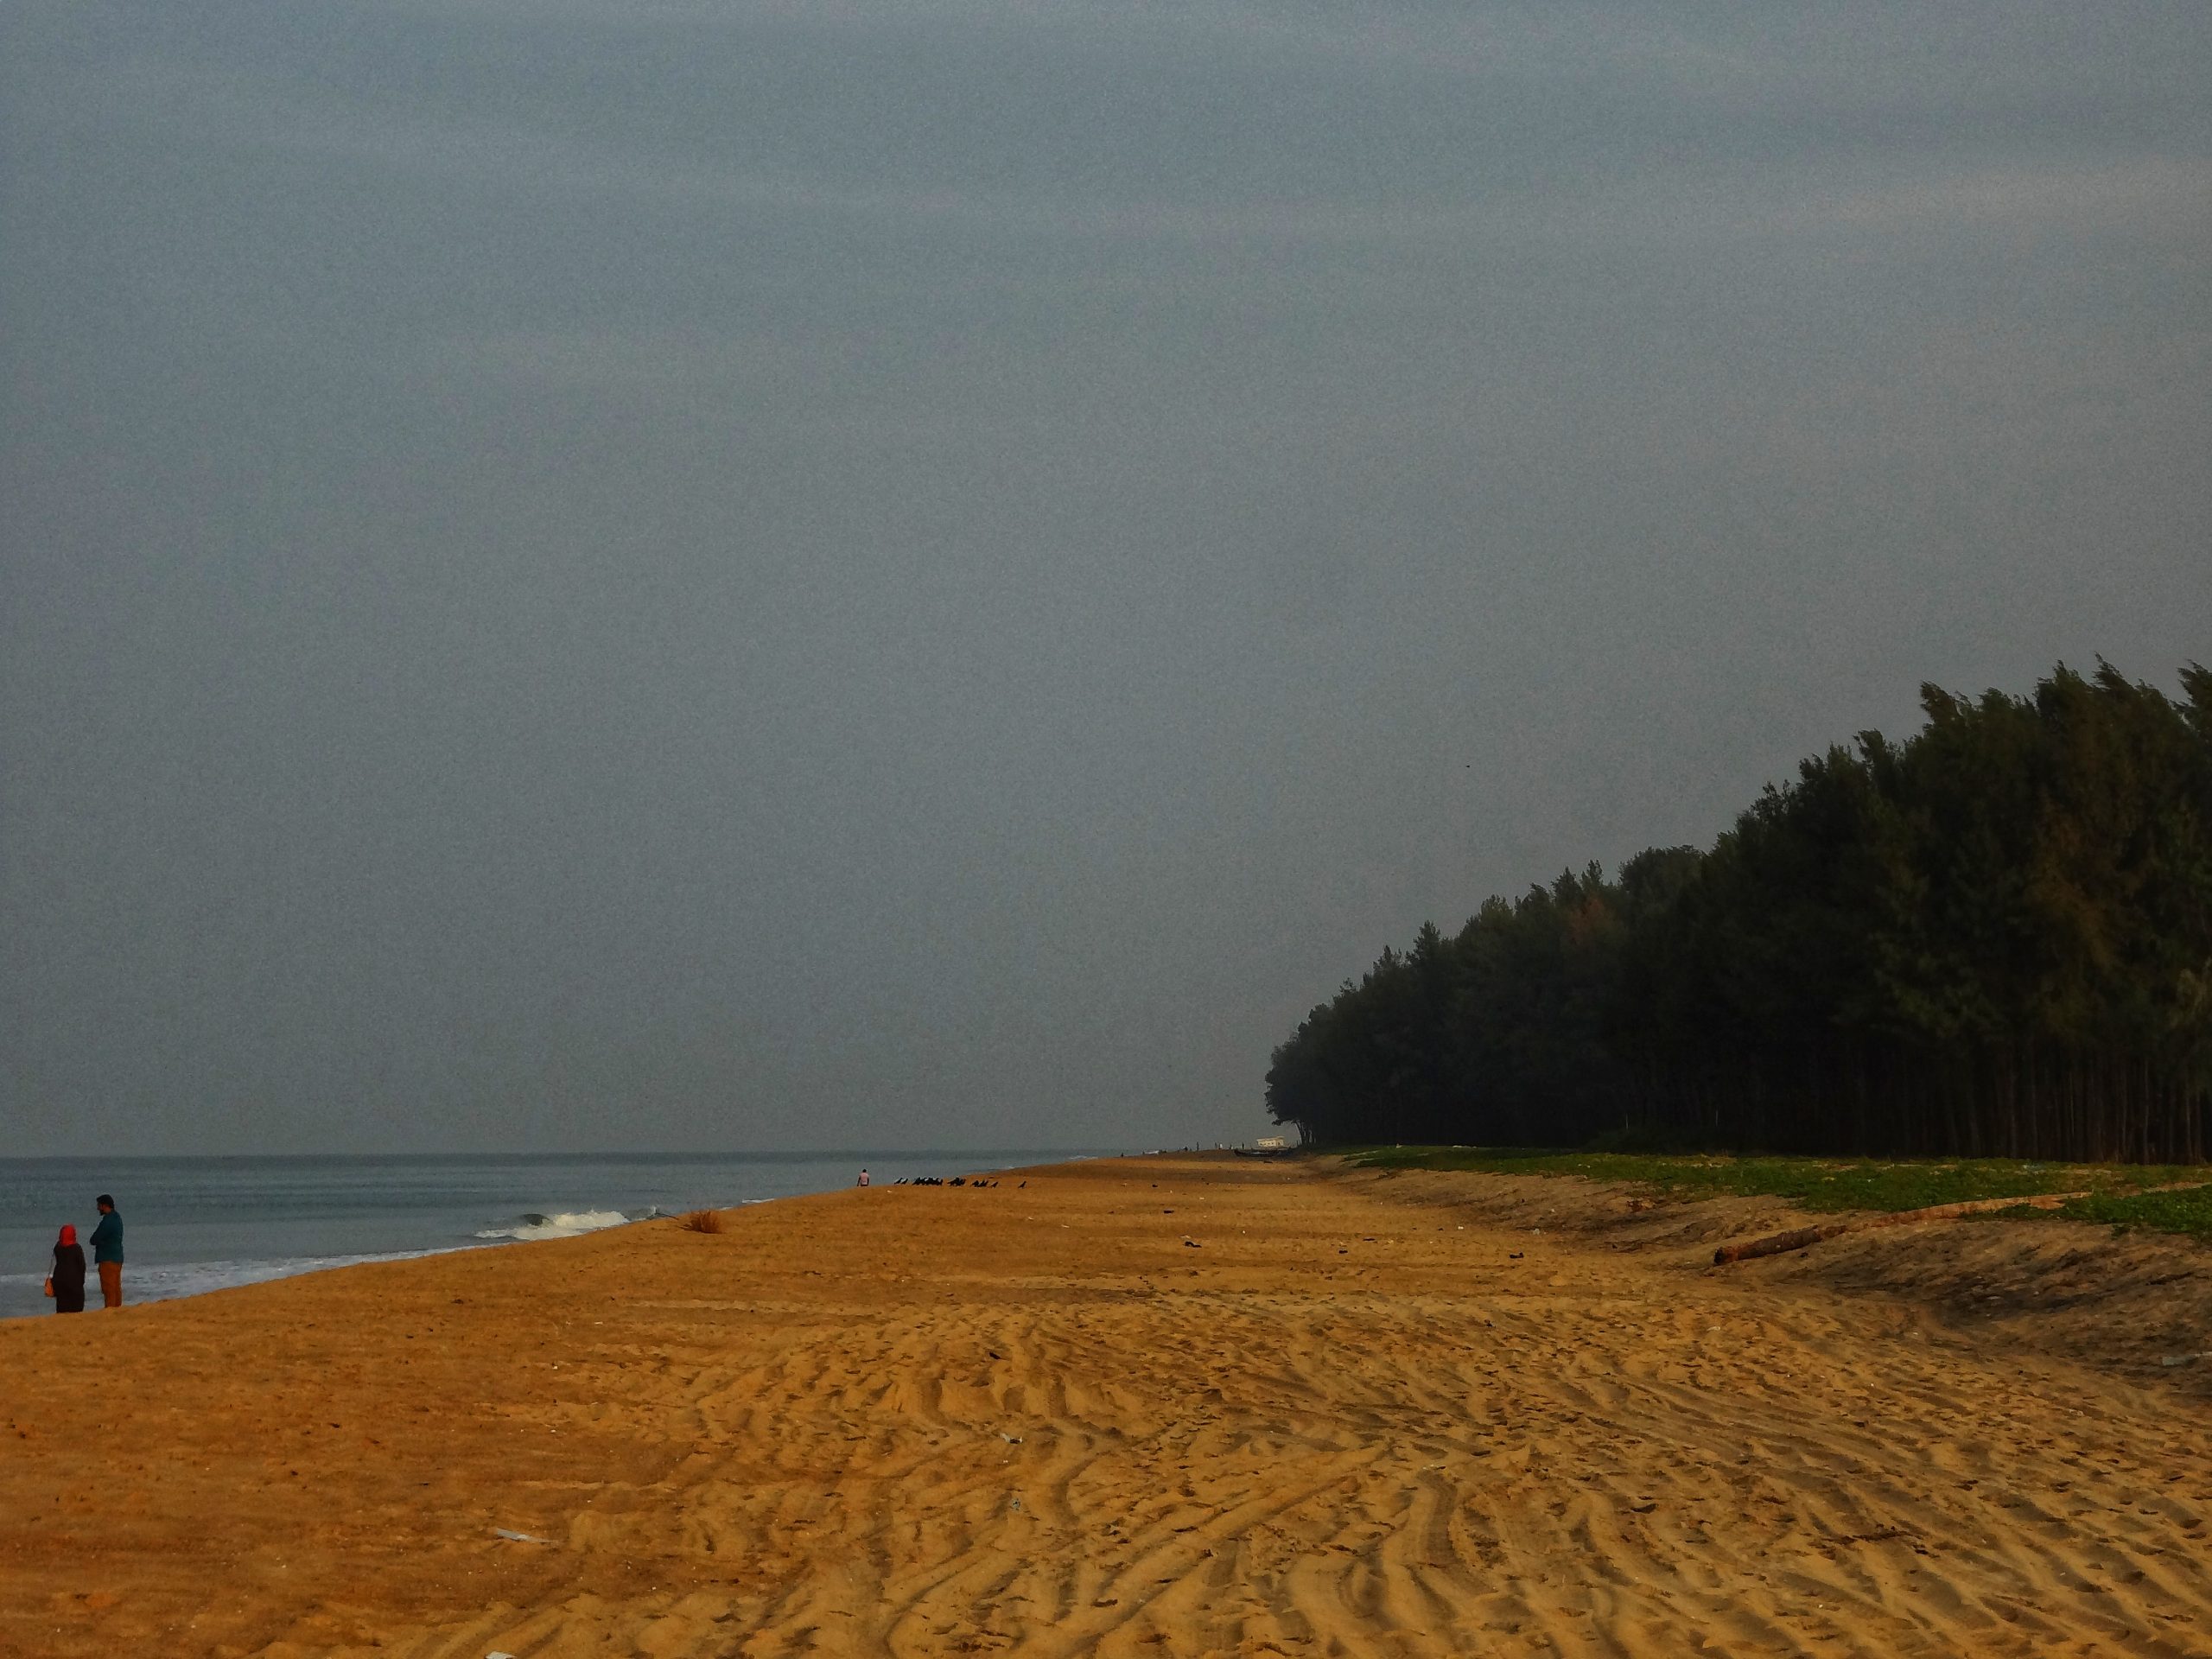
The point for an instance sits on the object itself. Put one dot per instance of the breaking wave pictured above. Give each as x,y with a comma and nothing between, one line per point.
563,1223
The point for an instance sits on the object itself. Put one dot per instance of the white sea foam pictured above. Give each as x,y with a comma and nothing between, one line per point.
565,1223
171,1280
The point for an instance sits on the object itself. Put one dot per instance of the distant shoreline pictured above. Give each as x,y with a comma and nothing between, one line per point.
224,1221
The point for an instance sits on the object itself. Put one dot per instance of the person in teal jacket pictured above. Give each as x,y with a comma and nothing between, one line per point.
107,1252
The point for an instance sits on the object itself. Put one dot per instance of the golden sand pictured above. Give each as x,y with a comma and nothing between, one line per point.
1137,1406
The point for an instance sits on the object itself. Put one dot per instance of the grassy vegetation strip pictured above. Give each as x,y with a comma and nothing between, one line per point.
2189,1211
2116,1192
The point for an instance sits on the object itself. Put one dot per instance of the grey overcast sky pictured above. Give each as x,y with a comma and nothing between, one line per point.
595,573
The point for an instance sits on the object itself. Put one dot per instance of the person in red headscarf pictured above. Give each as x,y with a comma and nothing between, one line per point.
67,1283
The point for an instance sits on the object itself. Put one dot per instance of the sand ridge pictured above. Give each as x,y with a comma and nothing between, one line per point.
1035,1420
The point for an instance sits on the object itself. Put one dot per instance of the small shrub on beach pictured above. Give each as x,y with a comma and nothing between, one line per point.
701,1221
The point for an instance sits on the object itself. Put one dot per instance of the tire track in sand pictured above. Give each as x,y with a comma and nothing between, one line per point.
1032,1421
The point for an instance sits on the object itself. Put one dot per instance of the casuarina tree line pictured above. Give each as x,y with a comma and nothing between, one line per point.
1993,938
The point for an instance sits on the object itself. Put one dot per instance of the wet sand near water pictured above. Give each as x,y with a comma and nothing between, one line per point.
1034,1420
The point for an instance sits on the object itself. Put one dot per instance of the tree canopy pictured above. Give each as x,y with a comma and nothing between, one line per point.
1993,938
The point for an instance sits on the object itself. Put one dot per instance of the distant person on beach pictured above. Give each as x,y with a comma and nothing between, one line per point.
66,1283
107,1252
863,1180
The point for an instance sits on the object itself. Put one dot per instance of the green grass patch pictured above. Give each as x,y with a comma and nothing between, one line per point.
1832,1183
2187,1212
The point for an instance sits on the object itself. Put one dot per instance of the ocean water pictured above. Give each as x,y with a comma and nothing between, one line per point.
194,1224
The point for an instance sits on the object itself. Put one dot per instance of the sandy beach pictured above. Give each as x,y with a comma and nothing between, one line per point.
1161,1406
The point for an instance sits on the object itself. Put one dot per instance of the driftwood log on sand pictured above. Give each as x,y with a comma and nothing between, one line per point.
1798,1237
